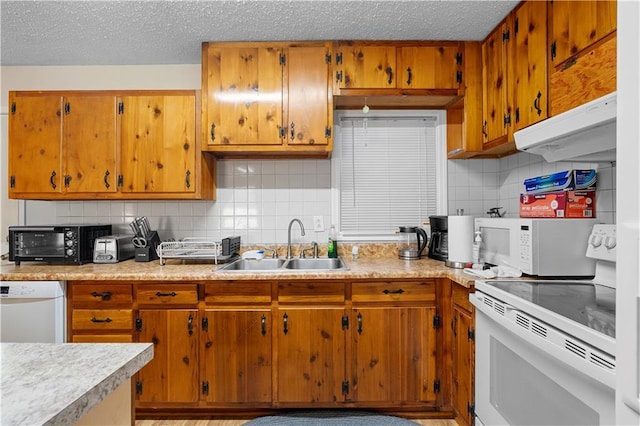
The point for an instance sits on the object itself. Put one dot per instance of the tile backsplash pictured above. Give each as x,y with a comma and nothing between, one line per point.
256,199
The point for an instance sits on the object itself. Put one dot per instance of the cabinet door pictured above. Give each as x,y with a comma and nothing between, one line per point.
236,356
576,25
158,145
529,67
428,67
309,110
35,144
494,84
365,67
89,143
172,375
463,354
244,96
394,354
311,355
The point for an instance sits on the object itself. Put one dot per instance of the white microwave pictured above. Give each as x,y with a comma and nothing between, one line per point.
544,247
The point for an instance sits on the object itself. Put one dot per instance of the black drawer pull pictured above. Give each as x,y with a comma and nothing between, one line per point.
172,294
94,319
398,291
104,296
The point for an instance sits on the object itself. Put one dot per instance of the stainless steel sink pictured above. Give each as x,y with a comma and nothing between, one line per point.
283,265
316,264
253,265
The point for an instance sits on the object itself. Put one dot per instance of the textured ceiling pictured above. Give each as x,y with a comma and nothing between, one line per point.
171,32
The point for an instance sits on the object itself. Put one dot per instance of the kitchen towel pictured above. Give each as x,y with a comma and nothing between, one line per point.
460,238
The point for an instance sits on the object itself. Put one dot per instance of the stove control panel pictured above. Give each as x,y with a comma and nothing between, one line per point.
602,242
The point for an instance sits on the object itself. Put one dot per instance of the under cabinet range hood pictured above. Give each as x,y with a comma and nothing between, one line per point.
584,134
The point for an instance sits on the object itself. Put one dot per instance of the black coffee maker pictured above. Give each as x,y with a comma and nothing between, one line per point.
438,244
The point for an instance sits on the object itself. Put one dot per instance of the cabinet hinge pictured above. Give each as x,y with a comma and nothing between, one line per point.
327,132
120,180
553,50
505,36
338,75
205,324
515,26
459,58
339,58
471,409
138,324
139,387
283,59
13,108
205,388
67,180
345,387
345,322
283,132
67,108
471,335
458,76
120,108
507,119
517,115
436,321
327,58
436,386
13,182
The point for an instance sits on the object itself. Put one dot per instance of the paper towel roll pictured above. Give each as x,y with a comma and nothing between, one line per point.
460,241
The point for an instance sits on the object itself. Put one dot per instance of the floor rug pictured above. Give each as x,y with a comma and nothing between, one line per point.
329,417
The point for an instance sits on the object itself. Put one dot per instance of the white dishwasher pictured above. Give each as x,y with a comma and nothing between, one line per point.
32,311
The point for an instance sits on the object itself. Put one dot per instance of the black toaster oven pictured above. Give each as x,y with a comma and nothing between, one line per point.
65,244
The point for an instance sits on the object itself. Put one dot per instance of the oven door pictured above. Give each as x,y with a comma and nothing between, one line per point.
520,380
31,244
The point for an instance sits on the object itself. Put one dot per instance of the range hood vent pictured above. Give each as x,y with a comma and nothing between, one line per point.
584,134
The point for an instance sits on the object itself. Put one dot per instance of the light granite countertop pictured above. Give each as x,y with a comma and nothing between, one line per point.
56,384
363,268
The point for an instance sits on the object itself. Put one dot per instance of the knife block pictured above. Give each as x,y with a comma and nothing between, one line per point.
149,253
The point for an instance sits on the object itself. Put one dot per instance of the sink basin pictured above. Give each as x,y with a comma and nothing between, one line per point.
316,264
266,265
253,265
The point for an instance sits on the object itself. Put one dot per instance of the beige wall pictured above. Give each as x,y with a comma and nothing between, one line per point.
126,77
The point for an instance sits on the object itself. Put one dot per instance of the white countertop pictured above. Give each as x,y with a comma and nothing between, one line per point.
47,383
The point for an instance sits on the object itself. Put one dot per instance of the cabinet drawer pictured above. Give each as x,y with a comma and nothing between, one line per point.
102,338
102,319
389,291
101,295
237,292
167,294
461,297
311,292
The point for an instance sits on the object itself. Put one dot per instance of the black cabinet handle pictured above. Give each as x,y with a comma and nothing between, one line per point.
359,323
285,320
536,103
409,76
213,131
398,291
190,325
263,325
389,72
293,131
51,179
172,294
104,296
106,179
107,320
187,179
484,129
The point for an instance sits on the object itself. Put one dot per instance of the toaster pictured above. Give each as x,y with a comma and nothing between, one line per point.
113,248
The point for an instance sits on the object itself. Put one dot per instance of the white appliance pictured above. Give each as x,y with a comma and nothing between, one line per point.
544,247
586,133
546,350
32,311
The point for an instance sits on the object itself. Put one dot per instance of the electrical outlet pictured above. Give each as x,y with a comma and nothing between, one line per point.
318,224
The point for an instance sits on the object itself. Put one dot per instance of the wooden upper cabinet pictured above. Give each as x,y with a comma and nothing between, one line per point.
359,66
529,64
35,144
577,25
244,93
496,109
158,143
89,141
429,67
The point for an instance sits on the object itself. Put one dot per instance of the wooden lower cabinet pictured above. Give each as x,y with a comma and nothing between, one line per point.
463,355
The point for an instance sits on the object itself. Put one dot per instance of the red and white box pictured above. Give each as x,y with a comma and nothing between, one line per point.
561,204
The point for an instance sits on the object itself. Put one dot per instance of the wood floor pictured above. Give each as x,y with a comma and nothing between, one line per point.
425,422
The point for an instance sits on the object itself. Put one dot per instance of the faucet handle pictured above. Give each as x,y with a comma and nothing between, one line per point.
273,251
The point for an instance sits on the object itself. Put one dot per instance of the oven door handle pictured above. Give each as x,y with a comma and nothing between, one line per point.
633,401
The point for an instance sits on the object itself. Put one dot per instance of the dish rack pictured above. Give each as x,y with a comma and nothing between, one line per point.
199,249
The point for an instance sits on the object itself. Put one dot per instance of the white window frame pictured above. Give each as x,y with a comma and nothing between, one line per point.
441,163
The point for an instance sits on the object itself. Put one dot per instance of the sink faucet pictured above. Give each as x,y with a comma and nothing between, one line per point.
289,256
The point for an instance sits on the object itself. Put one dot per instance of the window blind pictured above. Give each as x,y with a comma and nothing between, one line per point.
387,175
